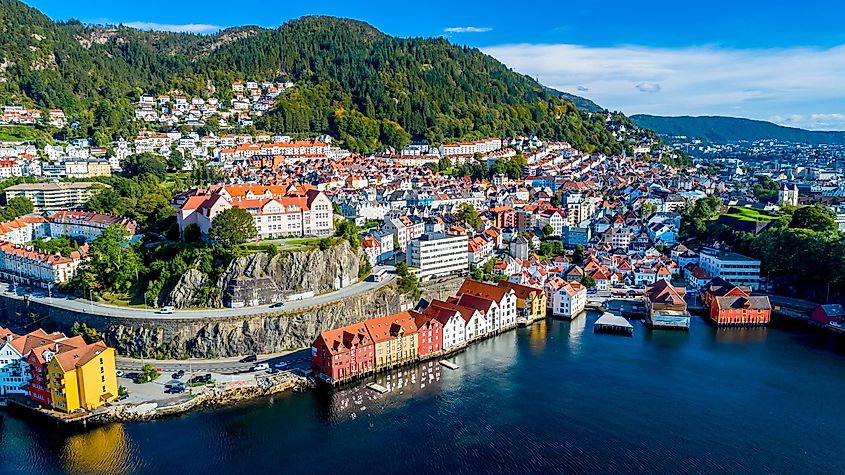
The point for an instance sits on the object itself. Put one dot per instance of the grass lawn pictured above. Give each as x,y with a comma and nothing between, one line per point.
748,214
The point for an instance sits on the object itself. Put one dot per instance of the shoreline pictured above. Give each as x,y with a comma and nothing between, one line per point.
151,410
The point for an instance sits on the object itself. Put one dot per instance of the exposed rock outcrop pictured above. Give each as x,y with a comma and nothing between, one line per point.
267,332
259,279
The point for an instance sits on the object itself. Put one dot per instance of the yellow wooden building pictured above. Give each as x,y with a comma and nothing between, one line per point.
82,378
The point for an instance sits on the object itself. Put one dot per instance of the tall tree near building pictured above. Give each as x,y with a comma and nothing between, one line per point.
815,217
232,227
467,215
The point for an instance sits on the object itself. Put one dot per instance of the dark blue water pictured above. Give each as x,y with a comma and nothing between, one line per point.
551,398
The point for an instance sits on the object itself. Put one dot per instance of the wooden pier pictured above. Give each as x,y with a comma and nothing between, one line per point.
377,388
449,364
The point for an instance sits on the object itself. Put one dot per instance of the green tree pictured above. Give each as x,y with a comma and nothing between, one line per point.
466,214
815,217
765,189
364,268
145,163
176,160
232,227
578,254
61,245
148,373
647,209
393,135
107,201
90,334
113,265
16,207
100,139
588,282
348,230
444,164
548,230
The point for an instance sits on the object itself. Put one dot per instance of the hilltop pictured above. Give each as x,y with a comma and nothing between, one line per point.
351,80
730,129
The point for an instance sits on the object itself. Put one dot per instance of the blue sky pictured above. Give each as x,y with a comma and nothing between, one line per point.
747,58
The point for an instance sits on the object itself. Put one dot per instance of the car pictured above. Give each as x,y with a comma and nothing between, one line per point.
277,305
249,359
261,367
167,309
178,374
280,365
119,373
123,397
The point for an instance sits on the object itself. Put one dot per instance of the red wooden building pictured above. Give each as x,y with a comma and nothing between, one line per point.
343,353
826,314
429,333
731,305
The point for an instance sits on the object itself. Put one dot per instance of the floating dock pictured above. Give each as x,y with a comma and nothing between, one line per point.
449,364
377,388
610,323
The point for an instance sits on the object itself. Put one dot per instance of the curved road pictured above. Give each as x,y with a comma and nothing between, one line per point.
96,308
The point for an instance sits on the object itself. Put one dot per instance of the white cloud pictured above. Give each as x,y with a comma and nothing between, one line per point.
467,29
811,121
705,80
650,87
186,28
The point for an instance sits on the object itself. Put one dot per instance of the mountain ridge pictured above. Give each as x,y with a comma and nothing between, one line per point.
349,76
722,129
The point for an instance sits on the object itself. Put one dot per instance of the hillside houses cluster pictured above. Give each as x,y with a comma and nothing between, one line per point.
19,115
21,263
248,100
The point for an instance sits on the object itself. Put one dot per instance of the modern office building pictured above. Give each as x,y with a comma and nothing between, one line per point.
435,255
735,268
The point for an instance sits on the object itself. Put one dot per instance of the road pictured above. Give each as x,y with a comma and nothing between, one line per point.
97,308
297,359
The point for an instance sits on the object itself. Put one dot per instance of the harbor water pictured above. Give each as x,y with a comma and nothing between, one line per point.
551,398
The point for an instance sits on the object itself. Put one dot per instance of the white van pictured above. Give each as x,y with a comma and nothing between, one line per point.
167,309
261,367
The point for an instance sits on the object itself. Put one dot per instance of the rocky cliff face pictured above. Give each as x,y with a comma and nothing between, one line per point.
259,279
260,333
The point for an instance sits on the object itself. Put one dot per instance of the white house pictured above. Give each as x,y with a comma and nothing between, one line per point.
503,296
454,326
569,300
14,373
554,218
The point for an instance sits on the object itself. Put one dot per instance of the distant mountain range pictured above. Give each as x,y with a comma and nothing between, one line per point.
730,129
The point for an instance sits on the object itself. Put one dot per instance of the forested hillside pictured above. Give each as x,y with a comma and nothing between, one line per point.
351,80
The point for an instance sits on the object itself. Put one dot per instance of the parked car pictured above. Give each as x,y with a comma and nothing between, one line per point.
249,359
179,374
261,367
119,373
167,309
280,365
200,379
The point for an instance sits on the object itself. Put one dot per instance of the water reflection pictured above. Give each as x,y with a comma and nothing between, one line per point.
741,335
102,450
402,385
538,335
576,332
